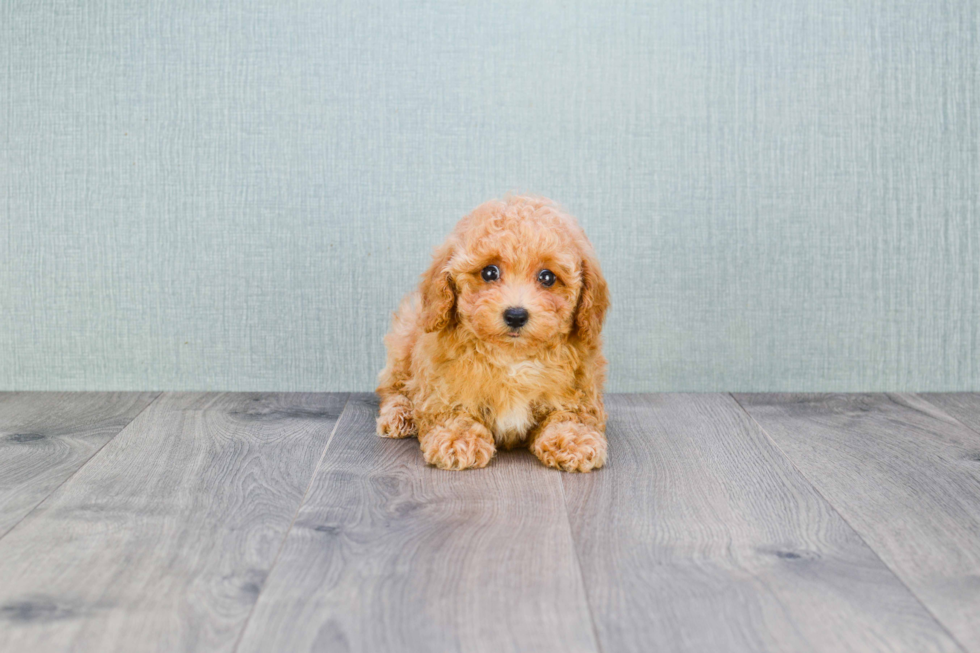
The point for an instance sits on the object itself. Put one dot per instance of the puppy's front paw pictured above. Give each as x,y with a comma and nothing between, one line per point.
571,447
395,418
455,447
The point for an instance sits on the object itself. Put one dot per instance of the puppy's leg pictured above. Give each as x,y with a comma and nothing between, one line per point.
570,444
395,417
457,442
573,438
395,414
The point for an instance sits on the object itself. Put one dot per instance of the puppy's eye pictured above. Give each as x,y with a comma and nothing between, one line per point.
490,273
547,278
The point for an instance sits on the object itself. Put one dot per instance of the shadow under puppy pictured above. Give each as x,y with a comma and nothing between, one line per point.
501,344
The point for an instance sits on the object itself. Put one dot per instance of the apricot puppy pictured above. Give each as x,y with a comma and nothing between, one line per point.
500,346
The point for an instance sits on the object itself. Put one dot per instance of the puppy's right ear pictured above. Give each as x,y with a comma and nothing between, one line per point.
437,290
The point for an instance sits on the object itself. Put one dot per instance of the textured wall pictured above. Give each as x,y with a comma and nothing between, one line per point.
233,195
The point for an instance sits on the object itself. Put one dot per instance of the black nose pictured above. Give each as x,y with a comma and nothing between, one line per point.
515,317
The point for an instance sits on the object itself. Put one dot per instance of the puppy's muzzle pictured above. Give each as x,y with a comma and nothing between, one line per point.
515,317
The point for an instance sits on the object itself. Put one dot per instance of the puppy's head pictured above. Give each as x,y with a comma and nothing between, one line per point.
516,273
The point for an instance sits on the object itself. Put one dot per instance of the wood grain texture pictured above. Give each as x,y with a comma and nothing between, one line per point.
46,436
906,476
964,406
388,554
700,536
162,542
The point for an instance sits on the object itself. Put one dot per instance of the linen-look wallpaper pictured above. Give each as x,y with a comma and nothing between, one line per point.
234,195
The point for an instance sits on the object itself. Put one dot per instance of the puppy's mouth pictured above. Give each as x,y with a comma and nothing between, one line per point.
513,334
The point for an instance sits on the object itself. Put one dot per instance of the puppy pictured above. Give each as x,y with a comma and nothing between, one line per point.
500,346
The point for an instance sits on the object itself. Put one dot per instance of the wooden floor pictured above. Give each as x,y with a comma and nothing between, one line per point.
279,522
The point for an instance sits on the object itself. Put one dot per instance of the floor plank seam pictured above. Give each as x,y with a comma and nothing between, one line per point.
856,532
942,410
80,467
578,565
285,536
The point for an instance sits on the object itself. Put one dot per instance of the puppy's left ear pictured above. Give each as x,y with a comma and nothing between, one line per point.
437,290
593,301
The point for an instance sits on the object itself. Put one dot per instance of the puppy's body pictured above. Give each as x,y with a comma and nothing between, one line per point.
466,378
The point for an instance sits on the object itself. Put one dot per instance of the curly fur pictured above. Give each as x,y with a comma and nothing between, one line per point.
457,376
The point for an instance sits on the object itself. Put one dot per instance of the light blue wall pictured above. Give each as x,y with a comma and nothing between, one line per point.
234,195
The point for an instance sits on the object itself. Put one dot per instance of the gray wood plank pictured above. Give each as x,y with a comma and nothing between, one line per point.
700,536
46,436
964,406
906,476
388,554
163,540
